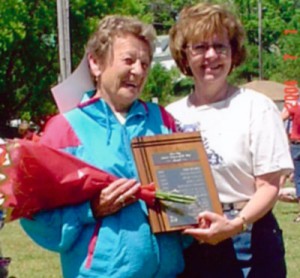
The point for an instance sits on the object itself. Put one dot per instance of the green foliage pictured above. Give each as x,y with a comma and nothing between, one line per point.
159,84
248,70
29,46
288,44
278,16
85,15
12,28
28,55
183,86
29,50
164,12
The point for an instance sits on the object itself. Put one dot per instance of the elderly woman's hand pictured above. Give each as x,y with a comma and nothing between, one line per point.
114,197
214,228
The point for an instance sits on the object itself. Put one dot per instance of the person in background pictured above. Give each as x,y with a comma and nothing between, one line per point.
292,113
110,236
246,146
27,132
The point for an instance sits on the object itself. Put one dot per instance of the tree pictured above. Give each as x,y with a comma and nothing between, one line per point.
165,12
287,58
278,16
29,46
29,50
160,84
29,56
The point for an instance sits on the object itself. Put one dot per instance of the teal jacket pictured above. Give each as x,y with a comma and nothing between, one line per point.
120,245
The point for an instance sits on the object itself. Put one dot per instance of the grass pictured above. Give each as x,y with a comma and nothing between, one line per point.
28,259
285,213
31,261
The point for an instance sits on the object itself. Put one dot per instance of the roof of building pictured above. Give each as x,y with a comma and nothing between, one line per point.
272,89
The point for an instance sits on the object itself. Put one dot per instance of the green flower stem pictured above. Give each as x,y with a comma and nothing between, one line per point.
175,197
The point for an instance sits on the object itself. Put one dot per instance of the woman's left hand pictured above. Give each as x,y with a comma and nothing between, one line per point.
214,228
114,197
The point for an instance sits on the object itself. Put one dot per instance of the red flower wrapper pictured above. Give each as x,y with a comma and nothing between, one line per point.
38,177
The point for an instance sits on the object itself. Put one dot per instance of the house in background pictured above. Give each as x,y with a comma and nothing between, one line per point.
162,52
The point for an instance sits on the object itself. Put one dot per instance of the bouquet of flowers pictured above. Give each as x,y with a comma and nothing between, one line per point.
38,177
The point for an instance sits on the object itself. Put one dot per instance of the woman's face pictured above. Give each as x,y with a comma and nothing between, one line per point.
123,76
210,60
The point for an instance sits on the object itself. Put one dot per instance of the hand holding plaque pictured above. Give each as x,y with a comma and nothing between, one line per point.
176,163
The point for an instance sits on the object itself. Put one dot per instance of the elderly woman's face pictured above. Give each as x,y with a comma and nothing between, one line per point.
123,77
210,60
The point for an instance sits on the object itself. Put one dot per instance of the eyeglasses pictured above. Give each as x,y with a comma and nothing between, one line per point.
202,48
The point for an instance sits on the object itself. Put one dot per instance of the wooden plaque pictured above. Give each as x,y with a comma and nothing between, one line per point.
177,163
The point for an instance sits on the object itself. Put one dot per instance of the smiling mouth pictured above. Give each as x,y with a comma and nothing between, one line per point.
211,67
131,85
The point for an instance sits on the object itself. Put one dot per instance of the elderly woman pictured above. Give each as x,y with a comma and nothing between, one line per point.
110,236
245,143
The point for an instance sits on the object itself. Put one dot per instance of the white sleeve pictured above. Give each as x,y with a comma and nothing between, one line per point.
268,140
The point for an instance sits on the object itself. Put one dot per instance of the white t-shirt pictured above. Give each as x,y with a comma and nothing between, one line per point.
243,136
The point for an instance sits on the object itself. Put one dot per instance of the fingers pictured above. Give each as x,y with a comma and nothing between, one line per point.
114,197
211,228
126,191
202,232
197,233
208,216
202,235
123,187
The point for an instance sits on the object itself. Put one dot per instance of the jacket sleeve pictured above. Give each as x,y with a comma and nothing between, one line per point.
57,229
